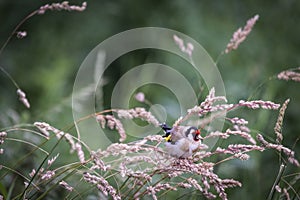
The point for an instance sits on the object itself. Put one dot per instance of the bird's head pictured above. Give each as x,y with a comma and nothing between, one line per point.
193,133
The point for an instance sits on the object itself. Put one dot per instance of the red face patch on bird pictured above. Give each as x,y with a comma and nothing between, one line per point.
197,135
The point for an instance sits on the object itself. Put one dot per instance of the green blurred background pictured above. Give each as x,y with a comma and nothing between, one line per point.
45,62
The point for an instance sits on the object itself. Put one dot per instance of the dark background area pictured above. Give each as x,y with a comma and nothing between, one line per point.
45,63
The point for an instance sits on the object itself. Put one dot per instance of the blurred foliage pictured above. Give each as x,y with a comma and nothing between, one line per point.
45,62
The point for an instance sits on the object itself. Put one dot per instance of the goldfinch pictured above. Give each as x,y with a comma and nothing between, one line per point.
181,141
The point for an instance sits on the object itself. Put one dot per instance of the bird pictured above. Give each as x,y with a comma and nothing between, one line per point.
181,141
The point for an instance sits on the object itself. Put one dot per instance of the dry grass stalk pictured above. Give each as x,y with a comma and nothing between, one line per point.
278,126
288,75
241,34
